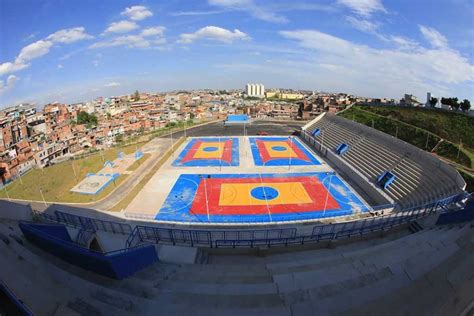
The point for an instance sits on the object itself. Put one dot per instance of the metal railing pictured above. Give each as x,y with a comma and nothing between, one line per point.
85,223
205,238
253,238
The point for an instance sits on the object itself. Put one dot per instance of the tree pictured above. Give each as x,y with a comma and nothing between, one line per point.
445,101
119,138
433,101
465,105
86,118
136,96
455,103
452,102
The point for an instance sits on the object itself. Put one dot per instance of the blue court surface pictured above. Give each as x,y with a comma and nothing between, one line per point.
237,119
209,152
280,151
235,198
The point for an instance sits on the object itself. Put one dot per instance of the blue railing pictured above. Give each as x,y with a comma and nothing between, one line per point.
119,264
206,238
20,307
254,238
85,223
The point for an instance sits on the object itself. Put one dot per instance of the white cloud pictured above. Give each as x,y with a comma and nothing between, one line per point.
70,35
362,24
112,84
153,31
392,71
363,8
60,66
149,37
230,3
9,67
435,38
196,13
137,13
34,50
403,42
121,27
10,83
131,41
213,33
263,13
41,48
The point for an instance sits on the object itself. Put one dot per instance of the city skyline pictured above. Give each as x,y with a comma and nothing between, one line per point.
368,48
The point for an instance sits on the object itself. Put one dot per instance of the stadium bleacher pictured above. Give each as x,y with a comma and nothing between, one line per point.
372,277
420,178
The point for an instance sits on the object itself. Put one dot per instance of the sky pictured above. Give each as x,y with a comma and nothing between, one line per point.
76,50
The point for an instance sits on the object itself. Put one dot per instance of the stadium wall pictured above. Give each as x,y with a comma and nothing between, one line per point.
15,211
118,264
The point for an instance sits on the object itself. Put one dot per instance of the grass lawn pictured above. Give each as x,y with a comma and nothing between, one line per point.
130,196
415,134
450,125
138,163
57,180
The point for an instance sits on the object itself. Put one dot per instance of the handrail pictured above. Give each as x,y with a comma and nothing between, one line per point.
263,237
15,299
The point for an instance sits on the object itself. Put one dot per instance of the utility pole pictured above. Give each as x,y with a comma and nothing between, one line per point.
459,149
6,191
42,196
74,170
327,194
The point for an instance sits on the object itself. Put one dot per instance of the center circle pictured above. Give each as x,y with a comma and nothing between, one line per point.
210,148
279,148
264,193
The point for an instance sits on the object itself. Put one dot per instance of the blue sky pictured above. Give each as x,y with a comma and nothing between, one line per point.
71,50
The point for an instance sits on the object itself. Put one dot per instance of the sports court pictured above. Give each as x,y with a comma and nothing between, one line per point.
207,152
258,198
280,151
194,187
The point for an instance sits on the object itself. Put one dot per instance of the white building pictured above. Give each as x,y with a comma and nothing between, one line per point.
255,90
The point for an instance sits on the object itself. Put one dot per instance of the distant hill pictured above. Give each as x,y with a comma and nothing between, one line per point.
446,124
424,128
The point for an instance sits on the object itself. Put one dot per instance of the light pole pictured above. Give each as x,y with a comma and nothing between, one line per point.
207,200
6,191
73,169
291,147
42,196
221,152
184,129
171,139
327,194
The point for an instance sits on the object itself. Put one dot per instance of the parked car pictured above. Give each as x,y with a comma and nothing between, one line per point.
262,133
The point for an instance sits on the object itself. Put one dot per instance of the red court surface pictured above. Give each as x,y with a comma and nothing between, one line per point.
234,196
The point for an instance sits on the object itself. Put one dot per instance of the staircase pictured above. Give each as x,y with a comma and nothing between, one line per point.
355,279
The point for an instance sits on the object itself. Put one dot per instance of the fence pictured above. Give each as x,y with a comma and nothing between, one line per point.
283,236
253,238
116,264
207,238
85,223
17,307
